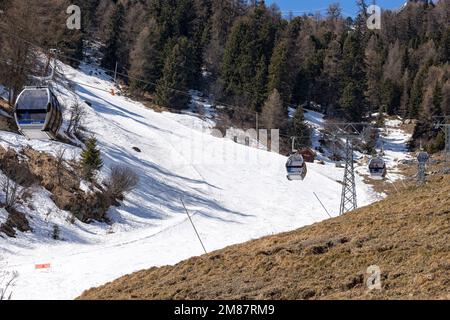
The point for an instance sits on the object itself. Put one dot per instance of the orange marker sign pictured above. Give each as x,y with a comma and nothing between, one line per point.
42,266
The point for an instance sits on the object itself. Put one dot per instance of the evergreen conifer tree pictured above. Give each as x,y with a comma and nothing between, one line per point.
260,82
171,88
351,101
114,29
91,160
298,128
416,94
437,100
279,73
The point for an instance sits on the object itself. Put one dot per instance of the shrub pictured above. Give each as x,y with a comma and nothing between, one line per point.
15,183
121,179
76,119
56,232
7,280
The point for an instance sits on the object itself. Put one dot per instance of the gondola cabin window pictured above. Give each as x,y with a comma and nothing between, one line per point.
32,107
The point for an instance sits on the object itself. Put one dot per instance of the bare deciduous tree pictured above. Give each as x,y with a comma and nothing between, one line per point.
17,179
121,179
77,115
272,112
59,156
7,279
6,282
12,191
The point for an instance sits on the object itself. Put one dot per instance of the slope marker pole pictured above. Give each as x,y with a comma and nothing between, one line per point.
322,205
195,229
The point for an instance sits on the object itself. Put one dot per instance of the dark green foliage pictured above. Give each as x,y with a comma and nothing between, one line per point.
445,46
171,88
3,4
279,72
437,144
302,87
248,48
260,82
88,12
417,93
299,129
437,101
91,160
352,102
112,45
168,22
390,97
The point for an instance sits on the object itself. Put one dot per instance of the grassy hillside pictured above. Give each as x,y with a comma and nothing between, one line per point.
407,235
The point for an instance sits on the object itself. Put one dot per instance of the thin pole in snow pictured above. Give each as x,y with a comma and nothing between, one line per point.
192,222
257,130
115,72
322,205
54,52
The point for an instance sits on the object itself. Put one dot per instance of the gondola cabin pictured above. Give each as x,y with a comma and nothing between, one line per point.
377,168
38,113
296,167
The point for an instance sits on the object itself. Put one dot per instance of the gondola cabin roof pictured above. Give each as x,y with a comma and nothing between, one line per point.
376,163
295,160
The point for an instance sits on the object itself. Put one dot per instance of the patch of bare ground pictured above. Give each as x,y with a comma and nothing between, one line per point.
407,235
16,221
61,179
7,124
64,184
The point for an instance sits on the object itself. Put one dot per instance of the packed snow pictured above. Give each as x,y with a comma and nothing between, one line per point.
234,193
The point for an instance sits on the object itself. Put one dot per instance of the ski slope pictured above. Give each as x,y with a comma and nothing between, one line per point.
233,193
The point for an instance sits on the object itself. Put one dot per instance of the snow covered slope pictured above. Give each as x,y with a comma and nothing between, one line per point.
233,192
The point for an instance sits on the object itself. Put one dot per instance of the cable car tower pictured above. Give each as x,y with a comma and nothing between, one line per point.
422,159
348,196
349,132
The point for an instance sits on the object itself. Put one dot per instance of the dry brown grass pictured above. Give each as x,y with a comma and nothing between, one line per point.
63,181
5,123
407,235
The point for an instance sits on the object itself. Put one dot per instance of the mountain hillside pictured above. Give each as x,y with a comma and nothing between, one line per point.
232,192
406,235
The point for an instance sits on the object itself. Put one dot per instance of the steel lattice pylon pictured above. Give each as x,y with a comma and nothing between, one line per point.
444,125
447,144
348,198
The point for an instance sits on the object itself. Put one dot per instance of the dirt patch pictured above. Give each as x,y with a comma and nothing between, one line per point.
63,183
406,235
16,169
7,124
61,180
16,221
